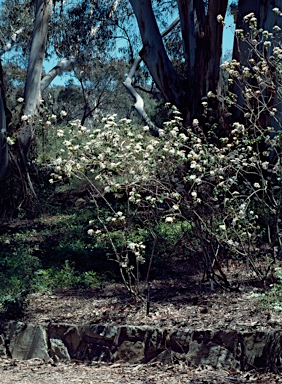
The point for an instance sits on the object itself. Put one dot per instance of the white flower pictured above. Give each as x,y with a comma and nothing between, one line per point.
175,207
169,219
223,227
63,113
90,232
194,194
210,94
178,117
131,245
220,19
20,100
256,185
183,137
10,141
24,118
265,164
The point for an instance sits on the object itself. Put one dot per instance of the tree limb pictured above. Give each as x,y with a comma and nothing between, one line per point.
67,64
139,103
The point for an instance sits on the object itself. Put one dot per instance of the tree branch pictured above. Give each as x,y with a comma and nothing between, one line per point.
67,64
139,103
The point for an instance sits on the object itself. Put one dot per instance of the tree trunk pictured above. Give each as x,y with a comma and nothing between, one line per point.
170,84
3,142
202,43
33,78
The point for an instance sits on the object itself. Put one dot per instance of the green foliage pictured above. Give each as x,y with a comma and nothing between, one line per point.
272,297
16,271
65,278
17,266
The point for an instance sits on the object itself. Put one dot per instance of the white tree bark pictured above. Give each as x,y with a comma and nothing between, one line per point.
36,57
139,104
33,78
4,157
63,66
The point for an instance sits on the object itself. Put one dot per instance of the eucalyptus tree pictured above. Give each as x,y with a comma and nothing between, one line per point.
75,33
201,32
72,32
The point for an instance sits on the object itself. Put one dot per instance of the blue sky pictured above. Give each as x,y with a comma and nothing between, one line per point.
228,38
228,33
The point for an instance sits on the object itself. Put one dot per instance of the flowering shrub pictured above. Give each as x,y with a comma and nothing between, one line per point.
177,177
227,190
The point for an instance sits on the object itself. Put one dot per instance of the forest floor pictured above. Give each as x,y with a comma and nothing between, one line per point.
174,303
177,299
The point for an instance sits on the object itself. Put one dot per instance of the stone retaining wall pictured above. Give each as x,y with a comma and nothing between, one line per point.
143,344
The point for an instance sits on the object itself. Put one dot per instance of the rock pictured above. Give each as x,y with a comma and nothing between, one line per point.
143,344
2,346
130,352
261,350
28,342
58,350
70,335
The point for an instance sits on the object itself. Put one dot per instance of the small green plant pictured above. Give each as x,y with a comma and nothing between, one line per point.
65,278
272,297
17,266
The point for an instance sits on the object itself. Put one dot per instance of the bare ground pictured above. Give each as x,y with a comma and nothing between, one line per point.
174,303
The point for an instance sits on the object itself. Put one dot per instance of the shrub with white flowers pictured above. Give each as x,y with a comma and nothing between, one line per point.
229,191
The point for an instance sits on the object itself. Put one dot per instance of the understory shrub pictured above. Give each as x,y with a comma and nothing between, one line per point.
64,278
17,266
